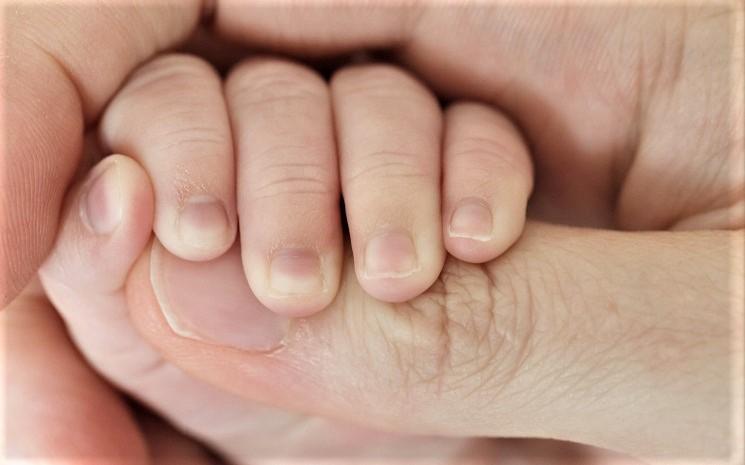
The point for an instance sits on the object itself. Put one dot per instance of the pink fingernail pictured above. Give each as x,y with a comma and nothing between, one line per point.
295,272
390,254
472,219
203,222
101,208
212,302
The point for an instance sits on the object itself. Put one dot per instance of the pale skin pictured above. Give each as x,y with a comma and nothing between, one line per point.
603,119
292,144
115,200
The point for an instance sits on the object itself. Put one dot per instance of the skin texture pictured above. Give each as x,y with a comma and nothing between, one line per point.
93,304
503,349
599,116
116,195
516,340
77,390
294,144
659,108
185,145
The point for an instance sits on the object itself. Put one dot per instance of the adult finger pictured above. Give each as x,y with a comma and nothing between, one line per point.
172,118
324,29
547,341
61,64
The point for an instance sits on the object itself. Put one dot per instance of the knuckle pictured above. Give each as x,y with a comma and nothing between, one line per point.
262,81
387,166
175,90
486,151
189,137
292,179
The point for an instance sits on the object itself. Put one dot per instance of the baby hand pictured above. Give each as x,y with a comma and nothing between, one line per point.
416,182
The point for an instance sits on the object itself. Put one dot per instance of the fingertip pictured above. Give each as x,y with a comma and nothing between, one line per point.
395,268
476,251
391,290
487,180
294,282
105,227
131,200
200,229
474,233
136,200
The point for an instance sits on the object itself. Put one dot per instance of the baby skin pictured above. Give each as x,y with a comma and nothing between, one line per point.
271,151
416,182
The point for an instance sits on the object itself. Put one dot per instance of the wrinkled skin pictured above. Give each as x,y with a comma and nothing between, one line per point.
662,317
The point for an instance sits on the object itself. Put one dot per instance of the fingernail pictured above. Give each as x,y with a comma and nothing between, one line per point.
203,222
294,272
212,302
390,255
102,206
472,219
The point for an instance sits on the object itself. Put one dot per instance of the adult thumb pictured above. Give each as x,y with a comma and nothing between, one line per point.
619,340
60,65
